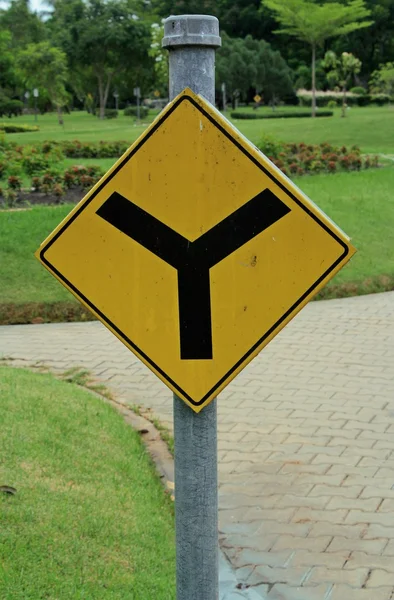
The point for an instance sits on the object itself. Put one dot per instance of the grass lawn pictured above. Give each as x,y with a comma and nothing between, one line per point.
79,125
90,518
22,278
361,204
370,128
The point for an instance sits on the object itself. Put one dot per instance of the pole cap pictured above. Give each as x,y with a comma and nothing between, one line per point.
191,30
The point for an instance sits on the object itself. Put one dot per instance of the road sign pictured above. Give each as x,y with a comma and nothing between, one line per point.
195,250
257,98
137,92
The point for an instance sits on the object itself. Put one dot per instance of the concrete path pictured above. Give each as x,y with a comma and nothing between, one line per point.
306,445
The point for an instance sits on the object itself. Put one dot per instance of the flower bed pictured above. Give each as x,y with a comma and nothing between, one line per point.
307,159
52,186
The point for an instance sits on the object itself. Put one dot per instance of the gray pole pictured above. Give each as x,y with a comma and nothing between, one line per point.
191,40
224,96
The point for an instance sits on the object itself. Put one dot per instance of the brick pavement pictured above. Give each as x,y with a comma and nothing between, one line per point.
306,444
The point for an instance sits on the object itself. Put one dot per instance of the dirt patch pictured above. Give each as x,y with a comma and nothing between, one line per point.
41,312
27,198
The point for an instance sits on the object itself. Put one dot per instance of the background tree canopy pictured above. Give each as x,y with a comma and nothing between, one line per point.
114,46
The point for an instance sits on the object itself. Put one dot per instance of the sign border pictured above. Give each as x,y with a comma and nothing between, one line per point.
188,96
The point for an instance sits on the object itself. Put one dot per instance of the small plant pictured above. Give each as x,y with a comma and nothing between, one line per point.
36,184
58,190
11,198
14,182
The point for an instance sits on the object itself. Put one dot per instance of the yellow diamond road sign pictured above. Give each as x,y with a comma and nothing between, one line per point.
195,250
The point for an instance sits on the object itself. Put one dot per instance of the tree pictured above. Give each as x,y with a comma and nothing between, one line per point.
247,63
8,76
373,45
104,39
341,70
24,25
160,56
44,67
314,23
382,80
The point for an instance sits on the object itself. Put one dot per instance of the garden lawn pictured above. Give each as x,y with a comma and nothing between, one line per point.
22,278
79,125
360,203
370,128
90,518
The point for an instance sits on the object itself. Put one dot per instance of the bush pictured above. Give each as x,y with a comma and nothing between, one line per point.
11,108
131,111
270,146
11,128
14,182
332,104
35,163
110,113
358,90
280,115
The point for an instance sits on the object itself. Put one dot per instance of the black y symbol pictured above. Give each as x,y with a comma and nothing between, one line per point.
193,260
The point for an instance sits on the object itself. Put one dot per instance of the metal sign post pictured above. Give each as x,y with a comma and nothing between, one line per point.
224,99
191,40
137,94
197,251
35,94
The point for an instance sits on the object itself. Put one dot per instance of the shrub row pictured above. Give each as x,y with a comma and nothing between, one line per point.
360,100
77,149
302,159
54,182
57,183
131,111
13,128
280,115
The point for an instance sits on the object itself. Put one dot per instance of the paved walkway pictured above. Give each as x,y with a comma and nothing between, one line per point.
306,444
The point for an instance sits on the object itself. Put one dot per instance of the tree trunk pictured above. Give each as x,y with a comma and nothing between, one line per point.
59,115
103,93
313,80
101,96
344,102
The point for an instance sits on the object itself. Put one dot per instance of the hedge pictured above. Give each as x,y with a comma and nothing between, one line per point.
361,100
10,107
131,111
11,128
280,115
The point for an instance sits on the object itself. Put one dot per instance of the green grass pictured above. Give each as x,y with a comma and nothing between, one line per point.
361,203
22,277
90,518
81,126
370,128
